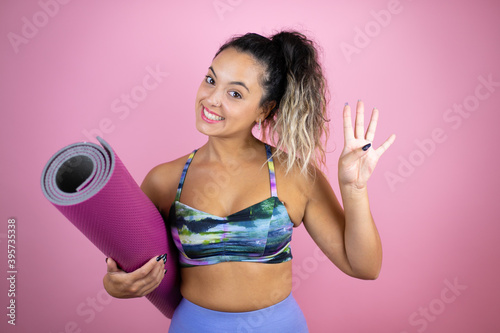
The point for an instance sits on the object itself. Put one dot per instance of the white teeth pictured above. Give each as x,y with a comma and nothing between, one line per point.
211,116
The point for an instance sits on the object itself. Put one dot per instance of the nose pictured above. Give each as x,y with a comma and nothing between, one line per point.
215,97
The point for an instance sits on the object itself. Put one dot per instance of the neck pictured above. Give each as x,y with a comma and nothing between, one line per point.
225,149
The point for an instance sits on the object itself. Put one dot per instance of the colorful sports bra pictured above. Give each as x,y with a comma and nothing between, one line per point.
259,233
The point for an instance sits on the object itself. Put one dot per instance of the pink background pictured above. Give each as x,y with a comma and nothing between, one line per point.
434,202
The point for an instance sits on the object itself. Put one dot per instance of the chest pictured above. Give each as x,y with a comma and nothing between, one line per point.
258,233
225,191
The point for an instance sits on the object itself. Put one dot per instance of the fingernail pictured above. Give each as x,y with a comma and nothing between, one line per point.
165,272
106,260
359,100
365,147
346,104
163,256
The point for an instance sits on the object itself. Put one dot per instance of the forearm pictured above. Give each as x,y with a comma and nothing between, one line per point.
362,241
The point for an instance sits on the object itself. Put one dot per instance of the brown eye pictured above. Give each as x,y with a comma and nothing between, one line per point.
235,94
209,80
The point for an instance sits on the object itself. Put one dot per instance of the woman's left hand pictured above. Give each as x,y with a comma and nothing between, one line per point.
355,164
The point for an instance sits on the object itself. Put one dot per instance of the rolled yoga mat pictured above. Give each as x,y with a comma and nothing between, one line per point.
91,187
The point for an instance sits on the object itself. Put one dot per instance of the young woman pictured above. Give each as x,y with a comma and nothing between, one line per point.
232,204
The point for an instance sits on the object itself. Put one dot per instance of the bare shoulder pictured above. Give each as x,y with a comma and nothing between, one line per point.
295,187
160,183
304,181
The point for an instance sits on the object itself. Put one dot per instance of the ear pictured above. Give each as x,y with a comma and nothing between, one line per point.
267,108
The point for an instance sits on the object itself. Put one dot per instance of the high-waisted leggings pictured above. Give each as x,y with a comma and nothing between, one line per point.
285,316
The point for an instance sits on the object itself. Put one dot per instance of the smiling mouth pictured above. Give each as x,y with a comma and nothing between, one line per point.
211,116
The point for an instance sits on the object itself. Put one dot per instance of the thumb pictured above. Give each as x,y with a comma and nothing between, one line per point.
112,265
356,154
365,148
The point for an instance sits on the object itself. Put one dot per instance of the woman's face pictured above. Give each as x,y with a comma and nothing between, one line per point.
228,99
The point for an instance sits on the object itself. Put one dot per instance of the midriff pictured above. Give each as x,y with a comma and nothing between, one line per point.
237,286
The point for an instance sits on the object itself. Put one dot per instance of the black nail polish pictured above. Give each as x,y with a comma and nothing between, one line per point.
106,260
365,147
163,256
165,272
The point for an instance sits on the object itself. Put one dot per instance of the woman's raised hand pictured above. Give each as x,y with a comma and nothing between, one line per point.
138,283
355,164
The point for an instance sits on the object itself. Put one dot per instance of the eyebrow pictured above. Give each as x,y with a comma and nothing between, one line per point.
239,83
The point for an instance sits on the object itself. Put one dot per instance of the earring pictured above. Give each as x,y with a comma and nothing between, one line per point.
259,124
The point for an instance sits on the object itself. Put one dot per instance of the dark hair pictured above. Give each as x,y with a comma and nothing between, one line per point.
294,80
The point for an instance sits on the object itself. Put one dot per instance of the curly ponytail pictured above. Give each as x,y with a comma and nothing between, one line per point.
294,80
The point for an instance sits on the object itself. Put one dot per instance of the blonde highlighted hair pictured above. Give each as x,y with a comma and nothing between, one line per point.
294,81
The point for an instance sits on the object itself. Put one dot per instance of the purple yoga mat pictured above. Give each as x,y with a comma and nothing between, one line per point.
89,185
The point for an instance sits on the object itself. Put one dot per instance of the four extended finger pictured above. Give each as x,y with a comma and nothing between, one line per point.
348,131
360,120
372,127
380,150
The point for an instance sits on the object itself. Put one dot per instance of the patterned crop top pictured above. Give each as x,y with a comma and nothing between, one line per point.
259,233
